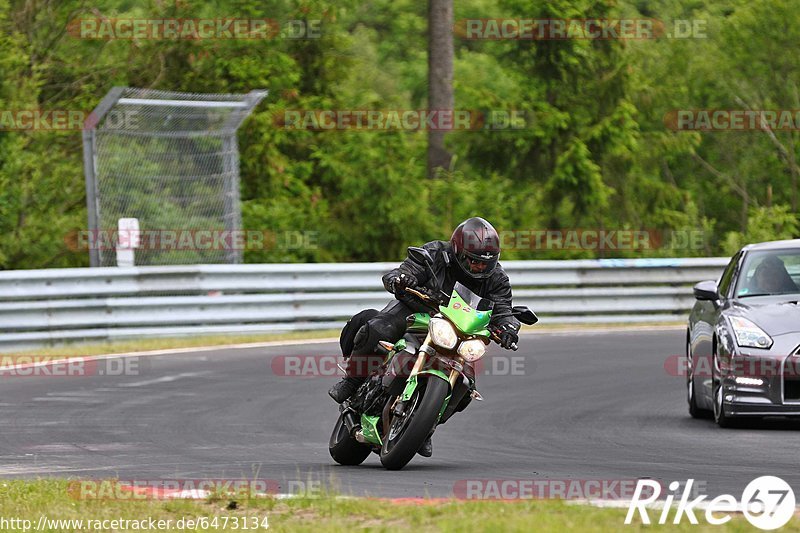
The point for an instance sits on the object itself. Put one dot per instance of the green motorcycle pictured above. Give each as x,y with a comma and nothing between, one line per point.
394,411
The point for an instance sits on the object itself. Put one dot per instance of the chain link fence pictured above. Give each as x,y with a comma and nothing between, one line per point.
171,161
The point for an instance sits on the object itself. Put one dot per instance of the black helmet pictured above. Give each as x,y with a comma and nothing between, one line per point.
477,247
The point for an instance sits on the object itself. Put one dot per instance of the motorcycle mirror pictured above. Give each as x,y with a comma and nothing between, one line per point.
421,255
524,315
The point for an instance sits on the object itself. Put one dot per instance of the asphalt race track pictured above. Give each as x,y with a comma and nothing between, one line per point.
590,405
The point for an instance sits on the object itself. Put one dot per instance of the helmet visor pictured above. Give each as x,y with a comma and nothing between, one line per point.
478,265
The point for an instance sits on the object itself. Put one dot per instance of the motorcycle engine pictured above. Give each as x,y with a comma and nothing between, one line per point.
371,397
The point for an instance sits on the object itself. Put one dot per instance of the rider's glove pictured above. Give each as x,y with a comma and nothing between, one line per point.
508,336
399,283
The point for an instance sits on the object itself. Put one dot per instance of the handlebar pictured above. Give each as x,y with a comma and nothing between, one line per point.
496,338
418,294
427,299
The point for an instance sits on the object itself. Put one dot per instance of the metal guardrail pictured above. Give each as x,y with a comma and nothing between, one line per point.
95,304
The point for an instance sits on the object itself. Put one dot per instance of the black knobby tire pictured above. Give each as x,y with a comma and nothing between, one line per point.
396,453
344,449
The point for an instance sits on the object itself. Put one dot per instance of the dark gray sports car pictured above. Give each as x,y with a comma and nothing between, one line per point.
743,339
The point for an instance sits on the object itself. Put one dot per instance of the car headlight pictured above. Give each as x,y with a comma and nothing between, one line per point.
748,334
472,350
443,334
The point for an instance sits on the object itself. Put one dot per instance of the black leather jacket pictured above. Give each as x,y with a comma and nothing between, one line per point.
496,287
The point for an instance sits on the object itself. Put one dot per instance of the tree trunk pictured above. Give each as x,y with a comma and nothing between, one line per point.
743,216
440,77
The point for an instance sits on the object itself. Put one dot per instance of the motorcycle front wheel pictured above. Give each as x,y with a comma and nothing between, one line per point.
407,433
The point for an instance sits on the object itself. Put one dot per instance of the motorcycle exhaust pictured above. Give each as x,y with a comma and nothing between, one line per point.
359,436
353,426
350,420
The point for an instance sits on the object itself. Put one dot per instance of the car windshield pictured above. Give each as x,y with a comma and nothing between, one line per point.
768,273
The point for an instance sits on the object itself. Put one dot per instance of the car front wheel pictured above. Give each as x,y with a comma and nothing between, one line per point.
722,419
691,396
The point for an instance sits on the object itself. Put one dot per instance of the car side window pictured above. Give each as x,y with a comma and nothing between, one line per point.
727,275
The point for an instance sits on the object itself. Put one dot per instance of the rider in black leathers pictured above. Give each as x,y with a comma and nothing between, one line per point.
470,257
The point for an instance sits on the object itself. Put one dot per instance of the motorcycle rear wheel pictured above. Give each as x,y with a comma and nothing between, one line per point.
344,449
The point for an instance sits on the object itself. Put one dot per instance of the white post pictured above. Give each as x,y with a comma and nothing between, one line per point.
128,239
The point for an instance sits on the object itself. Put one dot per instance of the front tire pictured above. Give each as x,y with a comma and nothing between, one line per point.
344,449
723,420
397,451
691,394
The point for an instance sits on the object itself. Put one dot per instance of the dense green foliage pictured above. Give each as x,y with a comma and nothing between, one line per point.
596,150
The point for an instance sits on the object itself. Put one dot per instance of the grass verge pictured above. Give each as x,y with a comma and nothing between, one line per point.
29,500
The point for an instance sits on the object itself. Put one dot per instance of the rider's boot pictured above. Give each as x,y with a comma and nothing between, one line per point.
426,450
345,388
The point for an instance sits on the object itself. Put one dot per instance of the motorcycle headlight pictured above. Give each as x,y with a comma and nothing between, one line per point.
443,334
472,350
748,334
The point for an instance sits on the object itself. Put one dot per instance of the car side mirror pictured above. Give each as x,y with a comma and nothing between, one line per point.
706,290
524,315
420,255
